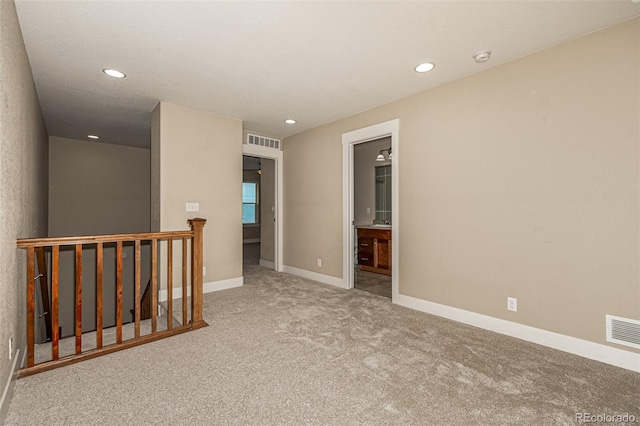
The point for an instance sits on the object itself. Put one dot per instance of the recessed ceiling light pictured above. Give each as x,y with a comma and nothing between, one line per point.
426,67
93,136
290,121
114,73
482,56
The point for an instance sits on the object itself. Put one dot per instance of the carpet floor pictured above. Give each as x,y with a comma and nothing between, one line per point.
67,345
286,350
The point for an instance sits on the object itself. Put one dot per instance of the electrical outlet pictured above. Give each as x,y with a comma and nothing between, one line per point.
368,210
204,270
512,304
10,347
319,263
193,207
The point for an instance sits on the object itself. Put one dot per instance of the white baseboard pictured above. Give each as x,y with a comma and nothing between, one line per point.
206,288
267,264
222,284
251,240
607,354
8,387
326,279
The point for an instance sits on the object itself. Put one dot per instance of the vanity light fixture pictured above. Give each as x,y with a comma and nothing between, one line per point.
290,121
380,156
93,136
114,73
425,67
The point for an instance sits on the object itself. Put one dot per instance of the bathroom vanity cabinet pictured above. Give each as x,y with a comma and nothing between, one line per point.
374,249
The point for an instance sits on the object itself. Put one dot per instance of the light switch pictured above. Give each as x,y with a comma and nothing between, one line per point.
193,207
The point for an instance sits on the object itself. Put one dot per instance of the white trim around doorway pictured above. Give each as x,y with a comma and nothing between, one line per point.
377,131
274,154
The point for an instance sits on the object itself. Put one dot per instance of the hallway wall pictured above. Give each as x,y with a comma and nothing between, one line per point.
23,184
197,157
97,188
519,181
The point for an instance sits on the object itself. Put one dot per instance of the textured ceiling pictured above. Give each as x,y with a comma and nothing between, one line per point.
262,62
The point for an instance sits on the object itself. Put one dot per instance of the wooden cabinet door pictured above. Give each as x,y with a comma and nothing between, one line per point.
384,254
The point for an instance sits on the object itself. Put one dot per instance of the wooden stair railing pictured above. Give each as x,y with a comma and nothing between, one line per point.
39,245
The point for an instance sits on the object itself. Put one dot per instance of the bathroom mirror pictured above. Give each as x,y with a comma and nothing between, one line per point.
383,194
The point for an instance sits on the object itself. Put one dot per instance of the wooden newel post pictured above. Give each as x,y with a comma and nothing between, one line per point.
196,270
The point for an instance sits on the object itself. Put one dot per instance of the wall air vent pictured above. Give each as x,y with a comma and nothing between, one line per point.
623,331
262,141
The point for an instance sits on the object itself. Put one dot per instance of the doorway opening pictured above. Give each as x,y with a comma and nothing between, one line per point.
262,207
370,234
373,216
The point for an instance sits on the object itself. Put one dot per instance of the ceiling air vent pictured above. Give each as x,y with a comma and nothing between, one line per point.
623,331
262,141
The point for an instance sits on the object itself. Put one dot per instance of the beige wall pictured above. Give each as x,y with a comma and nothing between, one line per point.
267,215
312,202
364,179
201,161
23,181
250,232
155,169
521,181
97,188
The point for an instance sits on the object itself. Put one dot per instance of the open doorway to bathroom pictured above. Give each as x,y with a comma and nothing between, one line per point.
373,216
258,211
385,251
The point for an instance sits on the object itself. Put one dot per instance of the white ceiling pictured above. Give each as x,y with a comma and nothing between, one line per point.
262,62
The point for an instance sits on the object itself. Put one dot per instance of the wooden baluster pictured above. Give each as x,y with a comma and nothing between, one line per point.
137,288
196,269
30,305
55,330
184,281
44,290
78,298
169,284
154,286
99,278
119,292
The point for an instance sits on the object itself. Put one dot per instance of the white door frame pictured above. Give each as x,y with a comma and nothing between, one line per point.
276,155
377,131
